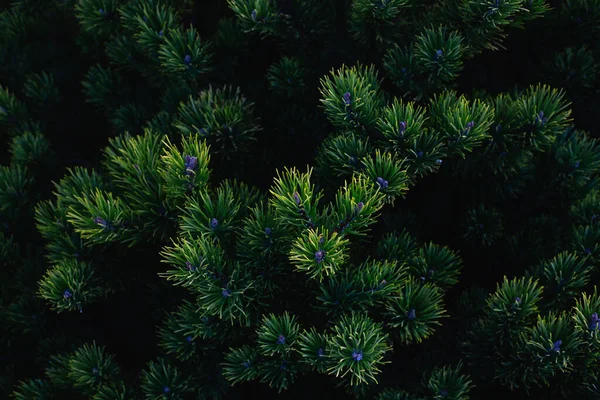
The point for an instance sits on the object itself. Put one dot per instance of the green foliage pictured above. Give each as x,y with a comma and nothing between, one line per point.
437,264
223,116
374,20
448,383
98,17
313,349
513,305
31,150
563,277
278,334
162,379
545,114
259,16
388,173
33,389
184,171
319,253
15,185
69,285
351,97
287,77
89,367
356,348
439,55
484,226
414,312
184,55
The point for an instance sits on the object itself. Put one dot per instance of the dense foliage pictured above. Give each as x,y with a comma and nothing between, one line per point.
225,199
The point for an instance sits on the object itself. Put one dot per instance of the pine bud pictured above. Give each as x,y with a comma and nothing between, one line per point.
214,223
100,222
382,183
281,339
191,164
541,119
595,322
346,98
226,292
359,206
320,256
402,128
412,314
297,198
556,346
67,294
357,355
187,60
254,12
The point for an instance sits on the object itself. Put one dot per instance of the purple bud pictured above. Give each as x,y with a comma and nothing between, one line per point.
588,251
94,371
402,127
470,125
297,198
67,294
320,352
382,183
438,161
576,165
283,366
254,12
319,256
438,54
160,33
100,221
556,346
518,300
419,154
189,266
594,322
101,11
190,164
357,355
246,364
166,389
346,98
187,60
359,206
226,292
412,314
541,119
281,339
268,231
214,223
189,339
